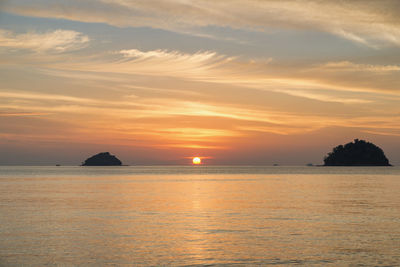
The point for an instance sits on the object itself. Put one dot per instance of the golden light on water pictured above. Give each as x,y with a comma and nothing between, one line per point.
164,104
196,160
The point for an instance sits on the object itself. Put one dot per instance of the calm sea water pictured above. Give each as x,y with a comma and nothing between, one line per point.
198,215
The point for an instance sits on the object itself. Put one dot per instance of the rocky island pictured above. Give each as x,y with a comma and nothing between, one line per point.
357,153
102,159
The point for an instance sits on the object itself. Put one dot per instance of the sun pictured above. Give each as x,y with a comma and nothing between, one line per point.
196,160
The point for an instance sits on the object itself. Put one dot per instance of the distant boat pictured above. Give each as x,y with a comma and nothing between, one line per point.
58,165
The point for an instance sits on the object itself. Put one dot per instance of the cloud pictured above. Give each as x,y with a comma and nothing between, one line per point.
369,22
332,82
173,61
388,133
166,120
178,75
154,63
236,100
350,66
57,41
21,114
339,82
176,56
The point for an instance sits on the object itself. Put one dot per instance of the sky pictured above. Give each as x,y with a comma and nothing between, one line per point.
244,82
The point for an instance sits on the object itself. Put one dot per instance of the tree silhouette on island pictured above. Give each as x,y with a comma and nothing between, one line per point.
102,159
357,153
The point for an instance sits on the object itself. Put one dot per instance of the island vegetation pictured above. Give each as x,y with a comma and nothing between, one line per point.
357,153
102,159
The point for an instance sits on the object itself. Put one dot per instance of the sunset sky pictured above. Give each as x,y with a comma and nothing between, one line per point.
161,81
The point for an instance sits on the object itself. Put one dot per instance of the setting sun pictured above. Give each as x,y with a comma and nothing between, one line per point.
196,160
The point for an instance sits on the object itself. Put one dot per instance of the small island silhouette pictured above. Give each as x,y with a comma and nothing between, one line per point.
357,153
102,159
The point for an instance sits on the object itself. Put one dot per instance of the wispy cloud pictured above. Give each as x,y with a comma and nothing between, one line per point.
200,57
350,66
57,41
205,100
171,62
321,82
22,114
369,22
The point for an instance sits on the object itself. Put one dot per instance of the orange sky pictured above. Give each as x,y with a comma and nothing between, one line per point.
156,82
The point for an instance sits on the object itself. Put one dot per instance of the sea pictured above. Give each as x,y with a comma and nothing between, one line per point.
199,216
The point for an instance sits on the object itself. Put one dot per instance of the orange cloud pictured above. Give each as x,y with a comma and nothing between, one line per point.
58,40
